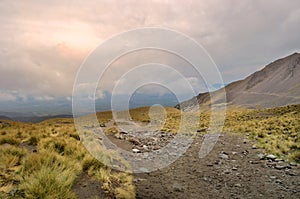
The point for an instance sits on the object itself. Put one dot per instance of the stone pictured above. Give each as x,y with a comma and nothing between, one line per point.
226,171
223,156
245,152
234,168
280,167
288,166
261,156
238,185
135,180
136,150
156,147
271,157
254,147
278,160
143,170
293,164
134,141
119,136
253,162
224,152
291,173
177,187
201,130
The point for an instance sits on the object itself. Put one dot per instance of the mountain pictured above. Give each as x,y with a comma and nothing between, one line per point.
277,84
29,117
2,117
36,119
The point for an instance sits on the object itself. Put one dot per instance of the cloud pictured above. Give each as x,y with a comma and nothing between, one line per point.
6,97
43,45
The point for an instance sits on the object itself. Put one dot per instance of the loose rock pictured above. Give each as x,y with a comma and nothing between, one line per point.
223,156
136,150
280,167
177,187
271,157
261,156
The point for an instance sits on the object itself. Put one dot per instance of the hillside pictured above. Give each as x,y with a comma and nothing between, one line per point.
277,84
50,154
2,117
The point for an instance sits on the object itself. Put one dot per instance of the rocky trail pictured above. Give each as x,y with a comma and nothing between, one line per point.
235,168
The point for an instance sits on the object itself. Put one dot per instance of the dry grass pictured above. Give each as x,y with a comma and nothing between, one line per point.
277,130
44,159
49,170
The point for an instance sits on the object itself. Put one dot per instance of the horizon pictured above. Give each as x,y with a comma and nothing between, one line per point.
39,61
102,104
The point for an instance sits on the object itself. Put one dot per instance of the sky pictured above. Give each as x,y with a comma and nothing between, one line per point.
42,45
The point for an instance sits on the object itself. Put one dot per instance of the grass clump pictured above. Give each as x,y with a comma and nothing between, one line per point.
51,170
49,182
277,130
7,139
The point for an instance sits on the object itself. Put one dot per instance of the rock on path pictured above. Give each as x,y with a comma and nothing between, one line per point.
233,169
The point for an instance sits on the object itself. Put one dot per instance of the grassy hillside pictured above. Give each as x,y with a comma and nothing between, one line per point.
44,159
277,130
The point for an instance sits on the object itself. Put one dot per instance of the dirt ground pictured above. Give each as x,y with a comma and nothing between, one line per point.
235,168
232,170
86,187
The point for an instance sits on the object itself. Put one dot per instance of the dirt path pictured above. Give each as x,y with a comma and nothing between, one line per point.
86,187
232,170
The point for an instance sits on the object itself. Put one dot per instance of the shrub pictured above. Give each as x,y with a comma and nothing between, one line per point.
90,162
75,136
49,182
10,156
33,140
9,140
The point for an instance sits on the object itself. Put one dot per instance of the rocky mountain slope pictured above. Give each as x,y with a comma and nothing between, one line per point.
277,84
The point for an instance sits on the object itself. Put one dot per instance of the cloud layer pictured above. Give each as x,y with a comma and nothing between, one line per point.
43,45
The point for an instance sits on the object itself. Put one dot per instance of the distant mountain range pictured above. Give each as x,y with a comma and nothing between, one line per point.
29,117
277,84
2,117
40,111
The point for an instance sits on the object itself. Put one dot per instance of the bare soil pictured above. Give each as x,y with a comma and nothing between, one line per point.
232,170
235,168
86,187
